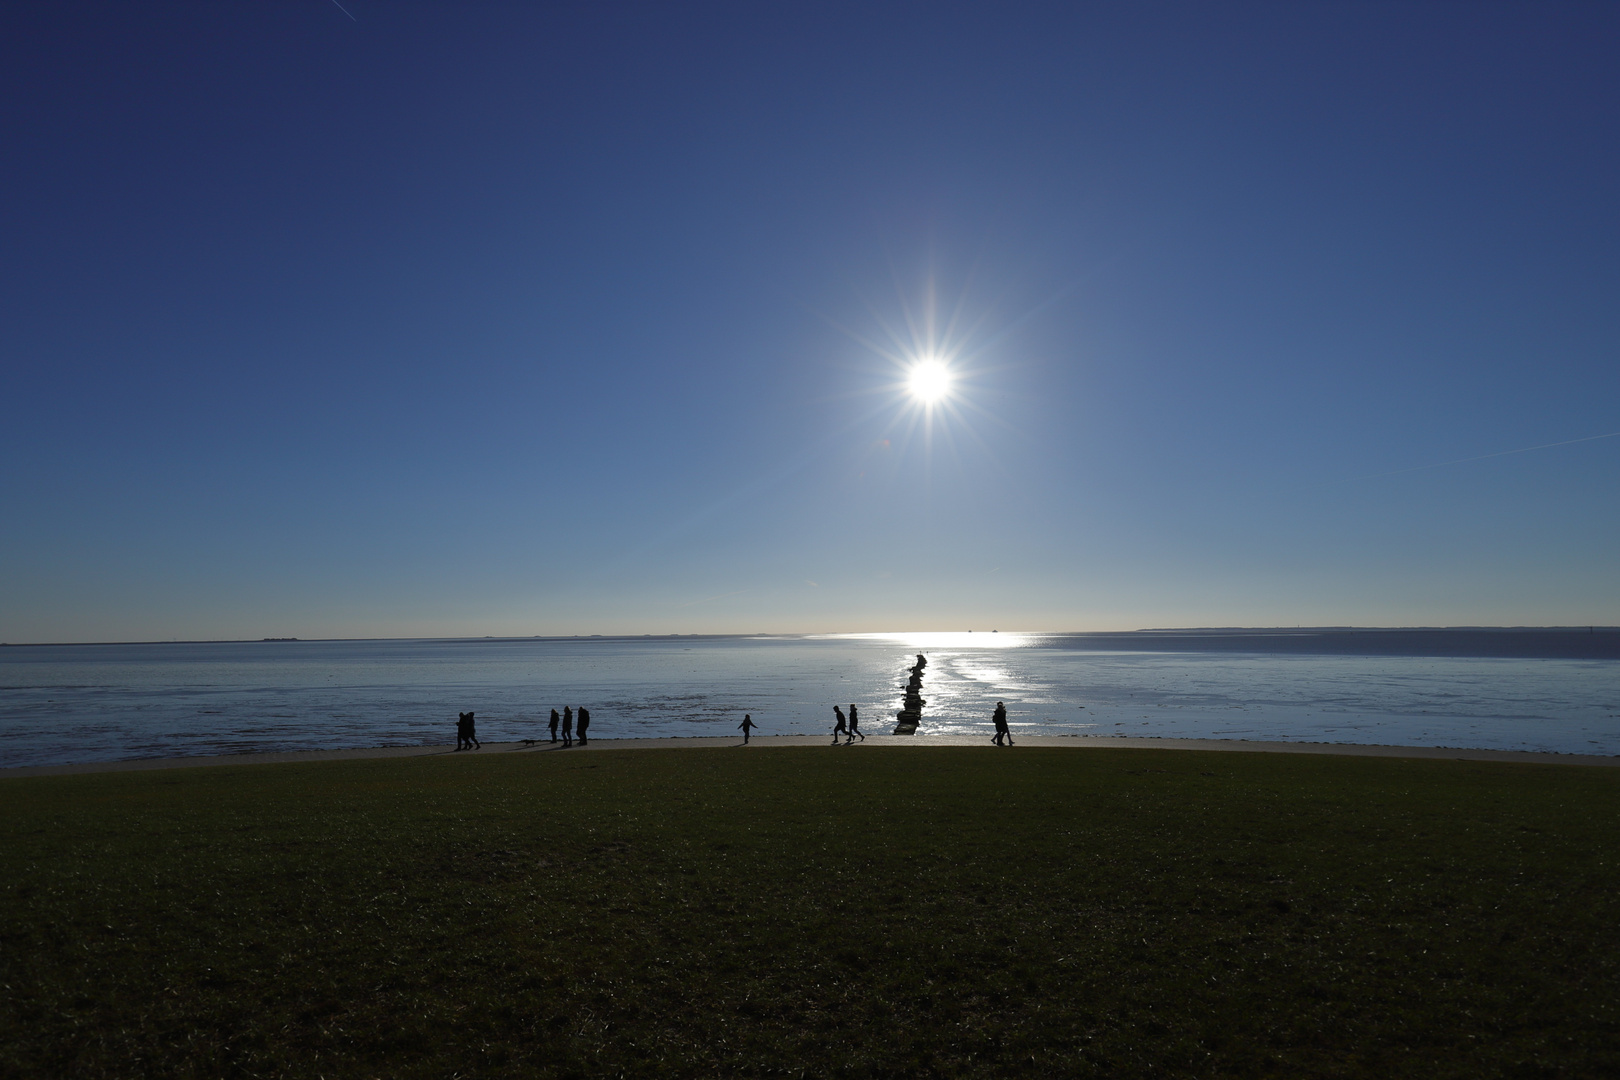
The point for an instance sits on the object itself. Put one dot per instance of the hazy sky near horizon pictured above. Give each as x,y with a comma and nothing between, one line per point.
499,318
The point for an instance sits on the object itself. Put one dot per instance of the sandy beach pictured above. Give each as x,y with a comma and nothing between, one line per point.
1025,742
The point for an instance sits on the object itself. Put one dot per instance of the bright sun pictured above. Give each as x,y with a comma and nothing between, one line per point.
929,381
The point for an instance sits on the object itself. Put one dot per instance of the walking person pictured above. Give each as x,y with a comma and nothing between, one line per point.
839,728
472,734
747,725
584,722
568,726
1002,731
855,724
461,731
556,718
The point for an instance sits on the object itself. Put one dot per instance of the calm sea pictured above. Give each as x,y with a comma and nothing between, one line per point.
74,703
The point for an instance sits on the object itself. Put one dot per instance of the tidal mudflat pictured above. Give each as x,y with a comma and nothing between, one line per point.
1542,690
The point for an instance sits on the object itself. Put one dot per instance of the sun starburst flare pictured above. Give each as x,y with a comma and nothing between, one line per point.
929,381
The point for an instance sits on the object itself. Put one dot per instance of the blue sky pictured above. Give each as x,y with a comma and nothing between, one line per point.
490,318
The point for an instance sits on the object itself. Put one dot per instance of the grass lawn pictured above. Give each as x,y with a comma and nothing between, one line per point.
855,912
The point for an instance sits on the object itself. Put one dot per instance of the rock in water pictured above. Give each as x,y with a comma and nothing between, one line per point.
907,719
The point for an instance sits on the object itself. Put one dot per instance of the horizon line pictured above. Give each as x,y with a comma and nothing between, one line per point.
1570,628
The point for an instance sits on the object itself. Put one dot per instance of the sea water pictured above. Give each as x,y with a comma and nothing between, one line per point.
77,703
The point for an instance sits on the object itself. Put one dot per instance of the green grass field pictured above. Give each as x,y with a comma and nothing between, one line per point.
882,912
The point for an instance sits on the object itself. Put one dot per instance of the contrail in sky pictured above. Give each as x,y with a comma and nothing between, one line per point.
343,9
1481,457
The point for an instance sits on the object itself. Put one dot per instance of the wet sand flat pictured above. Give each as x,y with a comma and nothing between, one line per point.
1025,742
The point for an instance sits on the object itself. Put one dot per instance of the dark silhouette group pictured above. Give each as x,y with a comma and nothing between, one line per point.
569,726
850,729
1002,730
467,732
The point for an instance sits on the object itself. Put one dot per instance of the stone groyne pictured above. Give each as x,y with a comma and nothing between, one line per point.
908,718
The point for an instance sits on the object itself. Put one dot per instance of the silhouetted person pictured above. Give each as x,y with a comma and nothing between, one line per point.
556,718
855,724
472,734
839,727
568,725
461,731
747,725
1002,731
584,722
